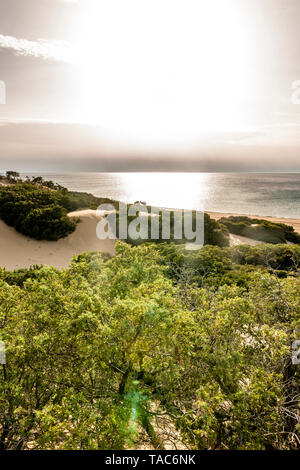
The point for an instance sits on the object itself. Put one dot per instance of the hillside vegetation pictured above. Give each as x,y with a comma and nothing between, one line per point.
38,208
262,230
155,347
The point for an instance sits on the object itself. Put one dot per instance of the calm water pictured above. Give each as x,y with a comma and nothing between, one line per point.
276,195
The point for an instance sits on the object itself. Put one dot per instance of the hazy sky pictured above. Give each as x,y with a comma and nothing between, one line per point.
192,85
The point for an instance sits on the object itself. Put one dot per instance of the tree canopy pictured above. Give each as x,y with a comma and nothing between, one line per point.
135,351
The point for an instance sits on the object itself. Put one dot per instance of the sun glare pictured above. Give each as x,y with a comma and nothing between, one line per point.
163,72
172,190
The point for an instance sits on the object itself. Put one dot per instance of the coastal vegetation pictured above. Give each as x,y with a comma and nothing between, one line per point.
36,212
215,233
262,230
156,347
152,348
38,208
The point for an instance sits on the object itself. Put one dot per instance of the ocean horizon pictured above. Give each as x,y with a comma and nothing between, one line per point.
261,194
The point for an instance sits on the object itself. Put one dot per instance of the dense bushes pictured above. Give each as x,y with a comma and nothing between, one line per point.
279,257
115,354
40,212
215,232
35,212
73,200
262,230
214,266
47,223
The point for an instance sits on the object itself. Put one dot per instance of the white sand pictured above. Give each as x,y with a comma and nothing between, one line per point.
17,251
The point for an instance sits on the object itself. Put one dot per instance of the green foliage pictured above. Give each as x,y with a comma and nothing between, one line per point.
132,350
12,175
155,345
261,230
39,208
35,212
278,257
214,266
214,232
19,276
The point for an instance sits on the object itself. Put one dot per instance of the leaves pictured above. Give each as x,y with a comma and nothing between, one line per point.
99,354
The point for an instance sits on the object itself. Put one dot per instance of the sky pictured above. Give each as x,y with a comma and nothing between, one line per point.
150,85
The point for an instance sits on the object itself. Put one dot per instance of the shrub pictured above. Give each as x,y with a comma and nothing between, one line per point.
39,208
262,230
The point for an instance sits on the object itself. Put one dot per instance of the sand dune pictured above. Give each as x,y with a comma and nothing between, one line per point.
17,251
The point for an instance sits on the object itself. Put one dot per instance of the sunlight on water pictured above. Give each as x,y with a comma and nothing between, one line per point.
262,194
173,190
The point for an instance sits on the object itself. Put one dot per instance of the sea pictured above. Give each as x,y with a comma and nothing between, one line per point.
262,194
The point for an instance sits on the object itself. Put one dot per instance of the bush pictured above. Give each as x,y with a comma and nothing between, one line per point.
35,212
38,208
214,232
113,354
262,230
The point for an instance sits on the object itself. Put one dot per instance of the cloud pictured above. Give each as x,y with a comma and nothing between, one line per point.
62,146
60,51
